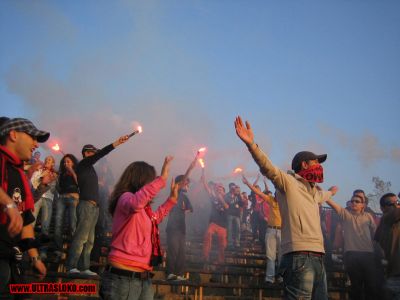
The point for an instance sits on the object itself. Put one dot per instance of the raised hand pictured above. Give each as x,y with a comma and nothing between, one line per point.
121,140
333,190
244,132
166,165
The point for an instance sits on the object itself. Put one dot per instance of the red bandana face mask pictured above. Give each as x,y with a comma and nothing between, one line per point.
314,173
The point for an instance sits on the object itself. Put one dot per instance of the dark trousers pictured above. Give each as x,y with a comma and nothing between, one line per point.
9,273
366,275
175,253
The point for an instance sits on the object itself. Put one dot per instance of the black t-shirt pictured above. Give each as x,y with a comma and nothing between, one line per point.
218,213
16,192
176,219
67,184
87,177
235,203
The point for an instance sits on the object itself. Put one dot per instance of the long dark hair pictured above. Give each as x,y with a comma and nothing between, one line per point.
135,176
62,169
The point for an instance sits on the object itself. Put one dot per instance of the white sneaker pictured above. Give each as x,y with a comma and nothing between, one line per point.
88,273
74,271
171,277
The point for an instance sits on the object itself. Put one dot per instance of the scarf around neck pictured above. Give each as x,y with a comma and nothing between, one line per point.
6,157
155,233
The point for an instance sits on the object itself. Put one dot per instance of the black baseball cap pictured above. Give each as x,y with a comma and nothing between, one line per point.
24,125
306,156
89,147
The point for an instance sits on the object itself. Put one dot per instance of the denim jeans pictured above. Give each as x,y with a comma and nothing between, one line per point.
46,205
233,231
63,204
272,245
83,239
116,287
304,276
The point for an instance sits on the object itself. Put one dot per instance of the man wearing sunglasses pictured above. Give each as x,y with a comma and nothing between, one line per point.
388,237
361,263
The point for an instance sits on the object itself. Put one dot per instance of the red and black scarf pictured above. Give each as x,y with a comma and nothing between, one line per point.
314,173
155,233
7,158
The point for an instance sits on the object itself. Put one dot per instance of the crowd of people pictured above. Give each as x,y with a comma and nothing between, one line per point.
295,233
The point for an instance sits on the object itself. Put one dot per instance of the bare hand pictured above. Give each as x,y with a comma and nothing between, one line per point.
174,190
333,190
121,140
166,166
245,133
16,222
244,180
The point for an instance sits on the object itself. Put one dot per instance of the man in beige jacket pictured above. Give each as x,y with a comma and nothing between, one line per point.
299,198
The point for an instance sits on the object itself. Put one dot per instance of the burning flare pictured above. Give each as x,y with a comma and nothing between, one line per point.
56,147
202,150
136,131
238,170
201,162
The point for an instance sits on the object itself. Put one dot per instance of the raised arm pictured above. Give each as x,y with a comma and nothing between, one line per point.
191,167
255,190
278,177
265,184
203,181
332,203
257,179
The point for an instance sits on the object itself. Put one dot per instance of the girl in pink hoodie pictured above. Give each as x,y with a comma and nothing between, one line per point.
135,245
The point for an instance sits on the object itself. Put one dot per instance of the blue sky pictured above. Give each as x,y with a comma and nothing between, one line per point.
316,75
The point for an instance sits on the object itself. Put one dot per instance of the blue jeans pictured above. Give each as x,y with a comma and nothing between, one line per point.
272,246
233,231
116,287
304,276
83,239
46,205
64,203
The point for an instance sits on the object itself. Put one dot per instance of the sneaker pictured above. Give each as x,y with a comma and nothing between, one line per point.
269,280
88,273
180,278
74,271
171,277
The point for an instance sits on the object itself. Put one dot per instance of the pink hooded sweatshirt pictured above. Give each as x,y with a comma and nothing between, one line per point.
131,229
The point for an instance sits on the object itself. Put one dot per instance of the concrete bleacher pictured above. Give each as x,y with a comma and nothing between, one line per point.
240,277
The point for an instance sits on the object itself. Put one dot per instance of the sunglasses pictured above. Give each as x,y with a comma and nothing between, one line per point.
356,201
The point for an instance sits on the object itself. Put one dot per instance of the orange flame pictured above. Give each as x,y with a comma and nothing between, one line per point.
140,129
56,147
202,149
238,170
201,162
